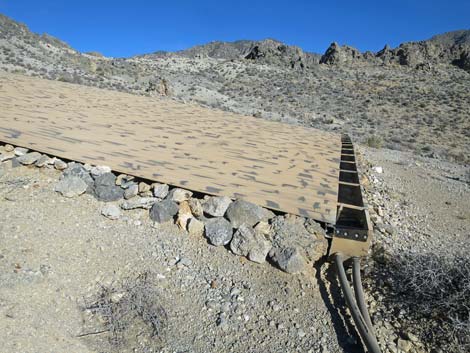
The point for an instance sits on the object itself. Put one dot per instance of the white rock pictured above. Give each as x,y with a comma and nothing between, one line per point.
144,187
216,205
29,158
100,170
59,164
139,202
5,156
378,170
20,151
111,211
180,195
160,190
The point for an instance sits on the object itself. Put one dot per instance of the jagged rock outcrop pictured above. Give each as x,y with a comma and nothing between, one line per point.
426,53
451,48
267,51
273,52
341,54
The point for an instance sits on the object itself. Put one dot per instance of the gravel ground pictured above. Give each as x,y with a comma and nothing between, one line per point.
425,202
419,206
56,253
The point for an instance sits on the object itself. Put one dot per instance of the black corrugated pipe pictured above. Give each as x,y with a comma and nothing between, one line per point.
359,292
365,331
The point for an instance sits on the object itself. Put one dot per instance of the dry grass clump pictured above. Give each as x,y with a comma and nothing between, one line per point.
434,290
374,141
130,313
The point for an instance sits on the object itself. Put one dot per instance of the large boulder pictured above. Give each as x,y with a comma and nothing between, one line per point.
163,211
77,170
216,205
218,231
295,243
243,212
251,244
71,186
105,188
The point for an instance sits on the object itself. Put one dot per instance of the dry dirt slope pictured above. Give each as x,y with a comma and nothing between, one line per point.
55,253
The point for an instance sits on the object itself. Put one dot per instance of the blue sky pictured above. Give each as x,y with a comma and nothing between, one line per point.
125,28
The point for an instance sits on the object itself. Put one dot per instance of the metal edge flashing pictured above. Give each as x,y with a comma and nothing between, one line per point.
352,233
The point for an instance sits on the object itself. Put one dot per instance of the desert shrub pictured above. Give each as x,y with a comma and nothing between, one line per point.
434,288
374,141
126,307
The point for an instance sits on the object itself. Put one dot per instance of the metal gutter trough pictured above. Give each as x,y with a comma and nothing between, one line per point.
351,238
286,168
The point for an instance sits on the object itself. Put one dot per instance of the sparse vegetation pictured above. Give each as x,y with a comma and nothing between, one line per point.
432,291
374,141
126,308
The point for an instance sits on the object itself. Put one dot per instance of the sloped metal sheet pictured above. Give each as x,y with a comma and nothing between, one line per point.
279,166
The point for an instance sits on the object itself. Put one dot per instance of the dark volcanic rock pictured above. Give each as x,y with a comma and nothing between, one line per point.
218,231
105,188
76,169
273,52
267,51
163,211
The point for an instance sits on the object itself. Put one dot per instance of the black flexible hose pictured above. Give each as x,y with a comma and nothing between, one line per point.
365,332
359,292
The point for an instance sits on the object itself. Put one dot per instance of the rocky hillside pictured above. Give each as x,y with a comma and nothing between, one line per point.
421,85
451,48
267,51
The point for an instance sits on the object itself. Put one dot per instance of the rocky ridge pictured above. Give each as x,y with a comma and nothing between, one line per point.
453,50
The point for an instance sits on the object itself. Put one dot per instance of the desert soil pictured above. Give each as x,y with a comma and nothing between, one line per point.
56,254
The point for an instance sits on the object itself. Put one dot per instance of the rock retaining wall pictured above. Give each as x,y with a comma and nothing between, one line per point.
288,241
